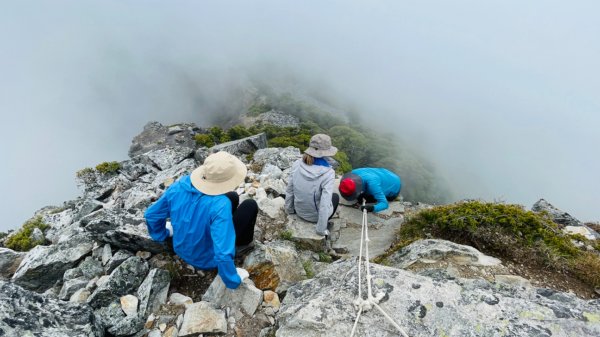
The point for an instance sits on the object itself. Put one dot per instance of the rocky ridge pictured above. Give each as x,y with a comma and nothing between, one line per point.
102,275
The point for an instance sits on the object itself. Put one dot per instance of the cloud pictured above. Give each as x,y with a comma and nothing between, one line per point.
501,96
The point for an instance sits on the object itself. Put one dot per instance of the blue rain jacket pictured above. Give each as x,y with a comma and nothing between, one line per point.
379,183
203,232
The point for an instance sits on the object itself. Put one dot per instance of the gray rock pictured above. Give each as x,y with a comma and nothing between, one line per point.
279,119
273,208
133,237
125,279
275,187
584,230
119,257
139,197
242,146
303,233
270,171
180,299
25,313
201,154
202,318
80,296
153,291
275,266
280,157
167,157
450,308
71,286
433,250
72,274
560,217
9,262
91,268
59,223
110,314
172,174
44,265
133,170
156,136
107,254
245,299
37,235
127,326
88,206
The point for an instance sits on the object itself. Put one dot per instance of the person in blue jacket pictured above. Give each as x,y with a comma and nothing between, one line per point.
206,223
375,185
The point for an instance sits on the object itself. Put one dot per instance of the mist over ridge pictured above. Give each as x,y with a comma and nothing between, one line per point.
501,97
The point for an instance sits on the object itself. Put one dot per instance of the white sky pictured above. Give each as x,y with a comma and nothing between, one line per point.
504,96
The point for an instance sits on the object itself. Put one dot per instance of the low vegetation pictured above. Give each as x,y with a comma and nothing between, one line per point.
21,241
505,231
85,171
108,167
308,268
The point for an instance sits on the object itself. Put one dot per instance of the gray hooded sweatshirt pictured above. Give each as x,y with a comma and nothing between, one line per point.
309,192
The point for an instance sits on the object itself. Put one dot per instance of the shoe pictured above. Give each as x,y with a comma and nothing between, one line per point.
244,249
324,233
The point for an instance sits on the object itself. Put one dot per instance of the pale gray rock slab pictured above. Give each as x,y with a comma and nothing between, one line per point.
273,208
44,265
72,273
125,279
106,254
280,157
270,171
559,216
127,326
139,197
433,250
153,291
273,186
242,146
167,157
303,232
512,280
9,262
129,305
203,318
80,296
245,299
26,313
71,286
275,265
133,237
91,268
180,299
584,230
427,307
172,174
59,223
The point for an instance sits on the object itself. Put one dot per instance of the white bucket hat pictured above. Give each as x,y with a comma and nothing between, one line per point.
320,146
220,173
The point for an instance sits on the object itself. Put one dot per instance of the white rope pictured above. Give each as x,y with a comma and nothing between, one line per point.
360,303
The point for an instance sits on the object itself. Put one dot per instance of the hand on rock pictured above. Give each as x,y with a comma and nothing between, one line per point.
369,208
169,228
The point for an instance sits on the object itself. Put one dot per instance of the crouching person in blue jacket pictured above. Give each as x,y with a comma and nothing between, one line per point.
207,223
375,185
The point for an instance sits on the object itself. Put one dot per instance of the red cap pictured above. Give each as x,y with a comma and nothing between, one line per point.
347,187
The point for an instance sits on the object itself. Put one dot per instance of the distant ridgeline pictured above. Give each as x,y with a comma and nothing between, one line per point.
291,121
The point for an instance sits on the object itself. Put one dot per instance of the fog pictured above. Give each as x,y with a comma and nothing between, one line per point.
502,96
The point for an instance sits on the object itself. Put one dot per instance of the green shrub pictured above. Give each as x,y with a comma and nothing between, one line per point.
308,268
324,257
342,159
502,230
204,140
286,235
21,241
85,171
238,132
108,167
219,136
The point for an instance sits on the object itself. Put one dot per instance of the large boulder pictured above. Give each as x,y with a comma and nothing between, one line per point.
303,233
243,301
424,306
433,250
243,146
125,279
44,265
203,318
25,313
280,157
153,291
156,136
559,216
275,266
167,157
9,262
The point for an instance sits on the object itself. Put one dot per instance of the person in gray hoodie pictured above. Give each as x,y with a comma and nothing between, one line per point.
309,192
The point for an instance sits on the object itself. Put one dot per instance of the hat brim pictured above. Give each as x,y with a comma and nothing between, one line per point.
357,188
222,187
321,153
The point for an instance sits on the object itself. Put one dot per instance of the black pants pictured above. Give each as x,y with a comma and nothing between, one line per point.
369,199
335,200
244,218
